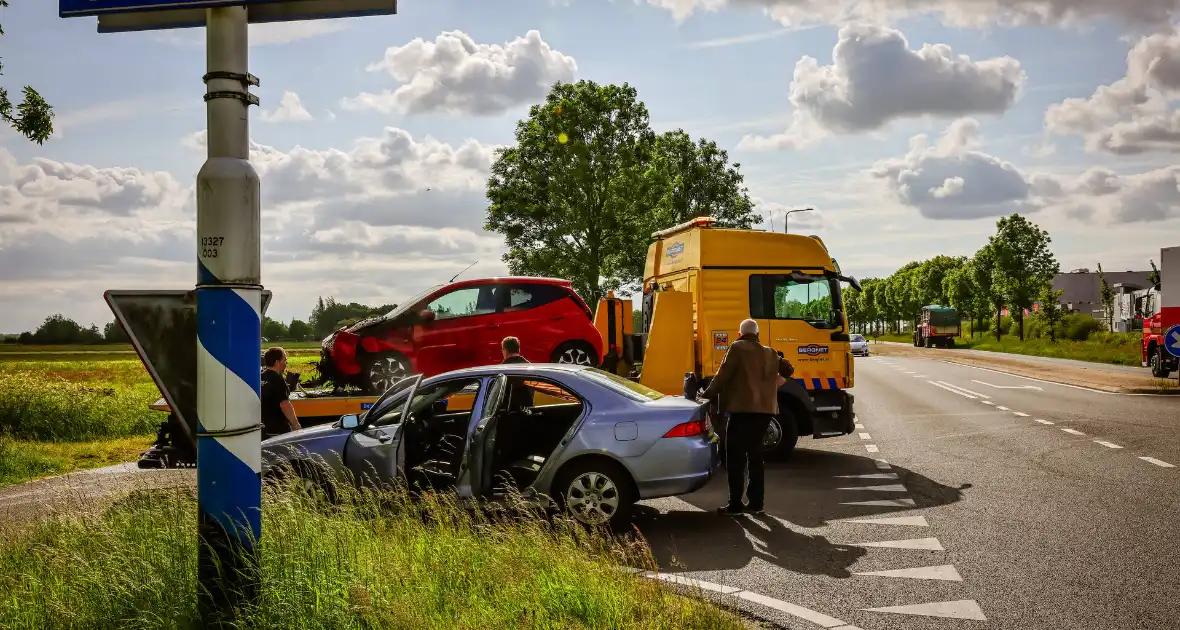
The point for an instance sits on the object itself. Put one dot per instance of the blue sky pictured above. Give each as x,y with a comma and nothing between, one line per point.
130,101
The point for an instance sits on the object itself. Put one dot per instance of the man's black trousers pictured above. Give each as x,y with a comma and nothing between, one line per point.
743,453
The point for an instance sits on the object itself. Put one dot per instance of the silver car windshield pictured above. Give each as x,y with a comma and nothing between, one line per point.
857,338
626,387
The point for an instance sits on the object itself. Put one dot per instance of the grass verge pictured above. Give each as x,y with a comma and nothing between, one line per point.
22,461
375,561
1109,348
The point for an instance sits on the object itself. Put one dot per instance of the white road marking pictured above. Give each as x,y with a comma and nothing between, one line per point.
1008,386
964,390
865,436
1158,462
919,376
1042,421
893,487
870,476
1020,413
915,521
882,464
987,402
1003,408
794,610
859,425
884,503
945,572
872,448
920,544
953,391
1073,431
1041,380
908,372
1107,444
962,609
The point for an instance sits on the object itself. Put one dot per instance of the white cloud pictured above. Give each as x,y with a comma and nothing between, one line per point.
972,13
454,74
1136,114
376,222
290,109
954,180
875,78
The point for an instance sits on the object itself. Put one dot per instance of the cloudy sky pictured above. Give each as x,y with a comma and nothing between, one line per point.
911,125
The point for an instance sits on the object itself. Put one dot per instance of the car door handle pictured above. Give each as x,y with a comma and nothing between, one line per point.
385,439
493,325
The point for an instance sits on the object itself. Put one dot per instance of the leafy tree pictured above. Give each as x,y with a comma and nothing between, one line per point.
113,333
25,338
33,117
1153,278
904,294
1106,294
57,329
988,296
328,315
959,291
1051,310
929,278
1023,263
587,182
852,307
274,330
299,330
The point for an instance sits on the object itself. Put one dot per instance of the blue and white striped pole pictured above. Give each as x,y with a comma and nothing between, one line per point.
229,340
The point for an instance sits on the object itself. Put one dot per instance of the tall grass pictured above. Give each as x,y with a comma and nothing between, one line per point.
375,560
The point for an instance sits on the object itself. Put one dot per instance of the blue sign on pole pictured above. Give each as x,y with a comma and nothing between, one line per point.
115,16
1172,340
84,8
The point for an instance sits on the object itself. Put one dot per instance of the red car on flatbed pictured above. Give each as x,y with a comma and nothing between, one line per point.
459,325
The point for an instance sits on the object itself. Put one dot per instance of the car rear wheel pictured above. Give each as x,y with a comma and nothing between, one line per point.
576,353
384,370
596,493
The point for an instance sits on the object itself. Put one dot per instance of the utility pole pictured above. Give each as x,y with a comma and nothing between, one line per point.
229,335
787,217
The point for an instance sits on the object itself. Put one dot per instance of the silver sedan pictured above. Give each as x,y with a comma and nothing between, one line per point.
571,437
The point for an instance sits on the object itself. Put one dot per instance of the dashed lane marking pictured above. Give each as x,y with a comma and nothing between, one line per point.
919,544
1020,413
859,425
1158,462
865,436
1107,444
1073,431
965,390
951,390
882,464
987,402
946,572
912,521
1002,408
962,609
869,476
1042,421
919,376
872,448
884,503
893,487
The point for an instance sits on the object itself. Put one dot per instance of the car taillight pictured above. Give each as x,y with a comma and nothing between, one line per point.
687,429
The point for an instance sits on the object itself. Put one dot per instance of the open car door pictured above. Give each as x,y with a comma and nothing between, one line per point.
375,453
483,439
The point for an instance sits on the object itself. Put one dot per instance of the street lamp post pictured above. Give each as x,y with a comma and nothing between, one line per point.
787,216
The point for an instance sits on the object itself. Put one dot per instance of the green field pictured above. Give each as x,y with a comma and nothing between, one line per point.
1100,347
67,409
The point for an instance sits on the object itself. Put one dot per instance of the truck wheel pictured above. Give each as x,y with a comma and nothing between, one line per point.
384,370
781,435
1159,366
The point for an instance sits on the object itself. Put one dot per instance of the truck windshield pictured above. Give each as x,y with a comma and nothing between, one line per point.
813,299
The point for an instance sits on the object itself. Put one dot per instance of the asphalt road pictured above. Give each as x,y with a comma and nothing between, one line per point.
1047,361
1017,504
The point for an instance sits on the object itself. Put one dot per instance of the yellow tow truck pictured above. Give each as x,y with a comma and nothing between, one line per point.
701,281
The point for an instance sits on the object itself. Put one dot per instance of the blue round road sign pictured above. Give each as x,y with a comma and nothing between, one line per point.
1172,340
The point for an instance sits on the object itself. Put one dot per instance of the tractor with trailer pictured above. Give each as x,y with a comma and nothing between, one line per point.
1160,306
937,326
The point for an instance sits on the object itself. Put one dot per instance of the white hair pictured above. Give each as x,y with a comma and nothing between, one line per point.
748,327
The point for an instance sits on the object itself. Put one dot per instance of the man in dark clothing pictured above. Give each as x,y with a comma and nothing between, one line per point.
278,416
747,384
510,346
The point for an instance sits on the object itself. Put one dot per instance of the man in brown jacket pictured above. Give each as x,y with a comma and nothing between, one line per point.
747,384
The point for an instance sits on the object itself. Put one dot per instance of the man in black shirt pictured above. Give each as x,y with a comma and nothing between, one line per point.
520,395
278,416
510,346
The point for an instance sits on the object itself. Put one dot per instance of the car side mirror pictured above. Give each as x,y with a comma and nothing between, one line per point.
426,315
350,421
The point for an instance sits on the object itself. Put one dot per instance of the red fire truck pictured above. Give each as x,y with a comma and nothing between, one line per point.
1161,317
